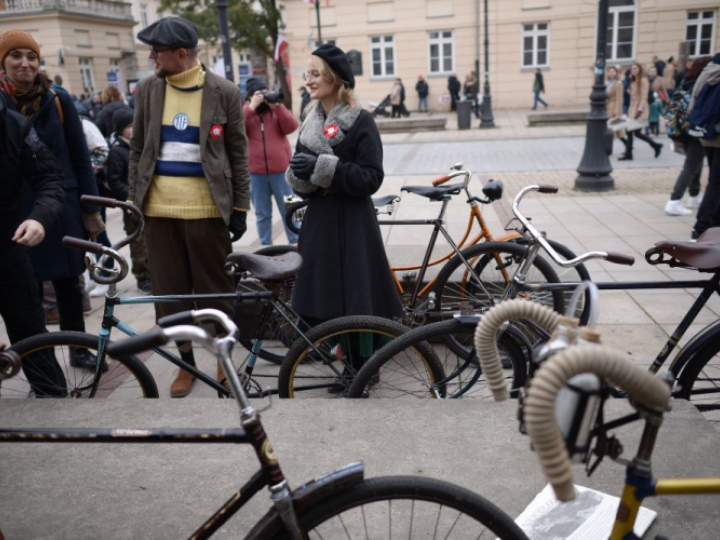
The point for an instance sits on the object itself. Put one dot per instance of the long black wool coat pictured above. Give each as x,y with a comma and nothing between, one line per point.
345,269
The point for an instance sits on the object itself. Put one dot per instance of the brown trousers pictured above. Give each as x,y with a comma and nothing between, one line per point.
187,256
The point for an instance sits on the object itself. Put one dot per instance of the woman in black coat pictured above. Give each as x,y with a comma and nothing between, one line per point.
24,89
338,166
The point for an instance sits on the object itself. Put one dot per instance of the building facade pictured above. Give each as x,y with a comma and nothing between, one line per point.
438,38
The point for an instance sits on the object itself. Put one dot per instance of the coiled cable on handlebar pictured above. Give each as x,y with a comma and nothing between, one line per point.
540,420
486,337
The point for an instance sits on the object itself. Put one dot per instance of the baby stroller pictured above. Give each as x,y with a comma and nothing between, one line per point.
380,109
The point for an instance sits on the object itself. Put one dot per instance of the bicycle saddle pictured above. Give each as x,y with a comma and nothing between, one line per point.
275,268
434,193
382,201
703,254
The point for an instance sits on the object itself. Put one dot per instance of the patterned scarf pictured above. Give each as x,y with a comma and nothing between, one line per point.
28,103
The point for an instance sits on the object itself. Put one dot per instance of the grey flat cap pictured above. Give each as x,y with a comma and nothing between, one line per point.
172,32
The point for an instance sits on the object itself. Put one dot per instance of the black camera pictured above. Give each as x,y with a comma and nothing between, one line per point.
272,97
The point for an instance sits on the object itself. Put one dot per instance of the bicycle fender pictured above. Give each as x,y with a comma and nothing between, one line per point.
311,493
683,356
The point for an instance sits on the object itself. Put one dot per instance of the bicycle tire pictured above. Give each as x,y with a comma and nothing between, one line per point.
126,377
281,333
338,354
369,507
451,296
510,353
699,381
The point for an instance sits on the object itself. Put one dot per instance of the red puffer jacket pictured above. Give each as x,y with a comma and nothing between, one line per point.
267,137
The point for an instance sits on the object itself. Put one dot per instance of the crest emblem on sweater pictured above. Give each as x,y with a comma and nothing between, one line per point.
331,130
181,121
216,131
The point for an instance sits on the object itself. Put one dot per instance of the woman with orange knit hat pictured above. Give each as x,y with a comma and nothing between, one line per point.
24,89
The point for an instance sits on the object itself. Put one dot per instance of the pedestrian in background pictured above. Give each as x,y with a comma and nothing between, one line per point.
669,76
304,101
112,99
689,177
538,88
395,98
454,89
116,173
422,89
638,113
657,85
338,166
189,174
614,104
267,125
403,109
626,90
657,108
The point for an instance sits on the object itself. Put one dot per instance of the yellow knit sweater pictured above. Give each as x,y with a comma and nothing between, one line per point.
179,188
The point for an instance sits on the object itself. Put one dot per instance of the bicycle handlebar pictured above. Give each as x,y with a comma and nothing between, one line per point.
138,344
561,261
199,316
447,177
103,275
542,425
9,364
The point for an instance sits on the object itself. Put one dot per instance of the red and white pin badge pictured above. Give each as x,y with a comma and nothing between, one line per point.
331,130
216,131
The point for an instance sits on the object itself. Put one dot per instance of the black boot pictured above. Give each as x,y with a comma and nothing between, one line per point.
83,358
627,156
658,149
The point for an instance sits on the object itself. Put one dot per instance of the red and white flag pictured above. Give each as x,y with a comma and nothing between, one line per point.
280,47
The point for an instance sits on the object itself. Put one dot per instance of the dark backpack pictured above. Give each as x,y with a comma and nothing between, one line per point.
676,114
705,115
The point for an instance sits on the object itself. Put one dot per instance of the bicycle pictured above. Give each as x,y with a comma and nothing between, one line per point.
330,506
261,306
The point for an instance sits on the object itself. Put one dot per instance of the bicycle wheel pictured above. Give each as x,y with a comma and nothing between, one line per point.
392,372
125,378
339,349
400,507
699,381
495,263
279,334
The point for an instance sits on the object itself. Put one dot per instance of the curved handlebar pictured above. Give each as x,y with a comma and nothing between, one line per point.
561,261
198,316
9,364
542,426
106,276
440,181
290,212
454,174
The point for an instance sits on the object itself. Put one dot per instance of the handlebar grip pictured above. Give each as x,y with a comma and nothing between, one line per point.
185,317
619,258
439,181
84,245
10,364
548,189
98,201
137,344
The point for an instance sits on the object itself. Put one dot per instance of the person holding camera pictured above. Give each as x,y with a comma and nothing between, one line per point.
267,124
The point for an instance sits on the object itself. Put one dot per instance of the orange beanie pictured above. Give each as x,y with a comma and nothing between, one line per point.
16,39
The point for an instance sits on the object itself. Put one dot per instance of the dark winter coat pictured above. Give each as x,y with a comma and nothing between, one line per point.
345,269
421,87
116,169
454,85
66,140
104,118
24,159
539,84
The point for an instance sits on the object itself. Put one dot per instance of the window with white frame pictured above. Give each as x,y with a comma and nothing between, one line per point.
114,64
536,45
382,56
441,52
144,15
621,30
86,73
699,30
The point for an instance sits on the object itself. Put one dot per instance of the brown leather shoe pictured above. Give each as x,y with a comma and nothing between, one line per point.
182,384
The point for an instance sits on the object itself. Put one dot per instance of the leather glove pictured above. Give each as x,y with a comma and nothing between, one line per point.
303,165
238,225
93,225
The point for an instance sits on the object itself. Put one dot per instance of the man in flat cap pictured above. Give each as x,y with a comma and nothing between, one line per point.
188,173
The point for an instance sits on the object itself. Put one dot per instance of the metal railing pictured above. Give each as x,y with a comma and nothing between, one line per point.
113,8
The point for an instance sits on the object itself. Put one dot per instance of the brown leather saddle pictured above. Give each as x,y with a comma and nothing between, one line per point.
266,268
701,255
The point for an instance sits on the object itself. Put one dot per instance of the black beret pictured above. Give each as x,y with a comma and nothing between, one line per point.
121,119
171,32
338,62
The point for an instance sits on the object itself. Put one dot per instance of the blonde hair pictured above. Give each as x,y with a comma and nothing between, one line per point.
111,93
343,93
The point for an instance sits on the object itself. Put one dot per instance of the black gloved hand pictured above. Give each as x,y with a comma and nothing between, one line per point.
303,165
238,225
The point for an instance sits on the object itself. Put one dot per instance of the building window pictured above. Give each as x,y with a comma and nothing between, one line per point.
112,41
536,46
699,32
441,52
114,64
82,38
143,15
621,30
86,74
382,54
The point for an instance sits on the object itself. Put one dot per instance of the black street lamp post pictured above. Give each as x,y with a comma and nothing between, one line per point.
317,16
487,120
594,169
221,6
